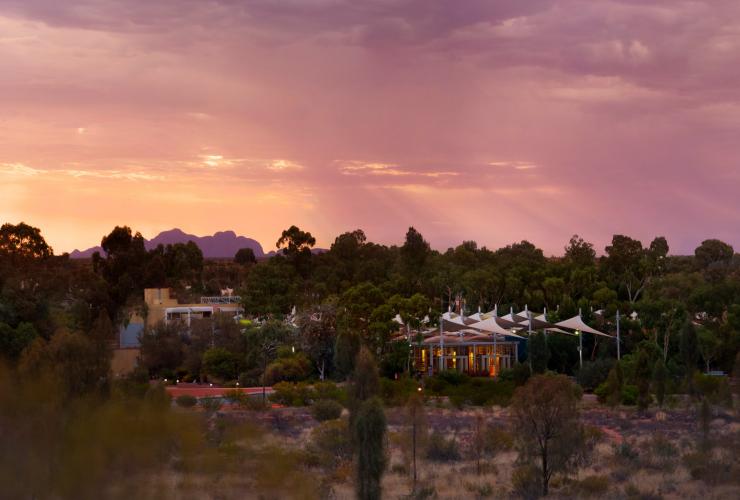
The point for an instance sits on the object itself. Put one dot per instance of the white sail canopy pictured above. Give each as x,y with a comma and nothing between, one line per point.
490,325
576,323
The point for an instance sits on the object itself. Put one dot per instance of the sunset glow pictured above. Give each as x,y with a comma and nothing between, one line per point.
490,121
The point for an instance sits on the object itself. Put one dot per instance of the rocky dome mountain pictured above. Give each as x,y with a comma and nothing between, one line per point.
222,245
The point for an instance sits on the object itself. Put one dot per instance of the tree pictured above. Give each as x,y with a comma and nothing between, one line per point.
548,425
71,358
689,347
162,348
296,246
625,261
369,436
262,346
14,340
22,242
660,376
643,375
414,251
123,267
245,256
270,288
614,384
317,334
416,418
365,381
579,252
347,347
221,363
709,345
712,252
539,352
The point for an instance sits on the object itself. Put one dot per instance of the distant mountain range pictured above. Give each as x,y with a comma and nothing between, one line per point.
222,245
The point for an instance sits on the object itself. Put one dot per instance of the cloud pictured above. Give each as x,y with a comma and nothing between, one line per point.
569,113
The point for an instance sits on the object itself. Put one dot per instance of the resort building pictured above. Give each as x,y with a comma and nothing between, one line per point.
163,306
482,344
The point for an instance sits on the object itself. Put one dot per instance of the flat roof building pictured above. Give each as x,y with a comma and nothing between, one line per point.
163,306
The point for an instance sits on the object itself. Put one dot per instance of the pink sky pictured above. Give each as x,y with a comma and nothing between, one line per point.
492,121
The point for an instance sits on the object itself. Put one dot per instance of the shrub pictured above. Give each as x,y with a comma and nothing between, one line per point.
625,453
442,449
525,482
235,396
629,395
292,369
330,443
475,391
326,409
330,390
221,363
593,486
290,394
519,374
594,373
186,401
211,404
453,377
255,403
250,378
397,392
602,392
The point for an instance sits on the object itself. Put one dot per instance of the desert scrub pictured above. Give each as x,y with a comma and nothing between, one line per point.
326,409
186,401
591,486
292,394
442,449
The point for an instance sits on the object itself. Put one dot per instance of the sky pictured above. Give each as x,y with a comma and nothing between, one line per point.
493,121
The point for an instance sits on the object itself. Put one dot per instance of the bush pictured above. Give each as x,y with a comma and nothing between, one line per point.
326,409
452,377
221,363
519,374
186,401
602,392
330,390
442,449
250,378
474,391
629,395
330,444
290,394
397,392
703,467
211,404
593,486
626,453
289,369
255,403
526,482
594,373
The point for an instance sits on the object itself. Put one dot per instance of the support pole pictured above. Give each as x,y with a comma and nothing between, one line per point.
441,346
529,337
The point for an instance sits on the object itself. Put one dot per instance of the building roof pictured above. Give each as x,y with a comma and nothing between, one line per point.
576,323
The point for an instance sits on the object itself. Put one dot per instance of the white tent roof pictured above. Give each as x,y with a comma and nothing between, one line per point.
491,325
476,316
514,318
398,319
576,323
